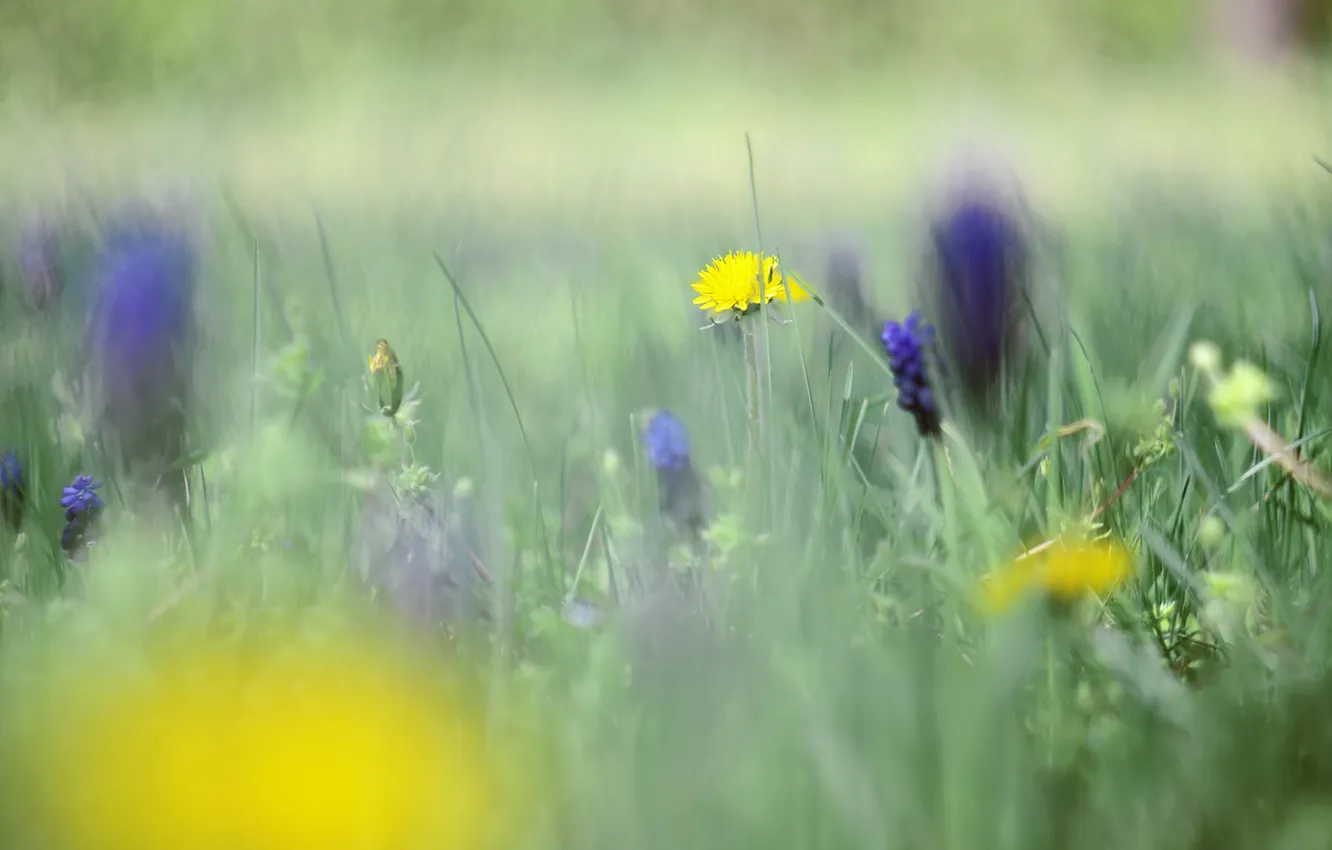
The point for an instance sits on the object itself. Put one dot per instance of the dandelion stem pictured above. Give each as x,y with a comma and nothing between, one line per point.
945,483
753,388
753,360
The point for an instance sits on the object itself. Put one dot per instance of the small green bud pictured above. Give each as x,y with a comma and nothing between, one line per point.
611,463
1231,587
1212,531
1205,356
1237,397
463,489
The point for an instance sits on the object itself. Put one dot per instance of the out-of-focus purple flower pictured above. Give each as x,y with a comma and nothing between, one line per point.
39,260
55,259
421,556
667,442
905,344
582,614
846,285
1257,32
12,495
680,491
977,281
140,341
83,507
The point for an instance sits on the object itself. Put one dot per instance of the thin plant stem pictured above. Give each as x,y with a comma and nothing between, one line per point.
753,389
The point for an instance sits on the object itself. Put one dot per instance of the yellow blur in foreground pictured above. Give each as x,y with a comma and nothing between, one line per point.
318,750
1064,569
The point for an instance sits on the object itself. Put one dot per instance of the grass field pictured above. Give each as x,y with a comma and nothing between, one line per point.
835,683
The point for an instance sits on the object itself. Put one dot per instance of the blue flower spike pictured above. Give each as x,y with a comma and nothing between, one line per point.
980,266
666,441
12,495
140,345
905,344
83,506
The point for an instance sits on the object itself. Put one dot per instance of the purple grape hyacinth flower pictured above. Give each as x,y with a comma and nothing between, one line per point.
844,272
905,344
40,264
667,442
680,491
12,496
980,272
83,506
140,341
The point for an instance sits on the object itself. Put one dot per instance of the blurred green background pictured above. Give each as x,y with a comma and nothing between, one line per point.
92,48
598,108
109,48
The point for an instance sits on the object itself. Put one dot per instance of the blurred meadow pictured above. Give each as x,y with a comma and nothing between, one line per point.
360,320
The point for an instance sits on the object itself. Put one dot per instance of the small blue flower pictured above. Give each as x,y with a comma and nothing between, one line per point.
82,507
667,442
11,489
905,345
681,497
11,473
81,499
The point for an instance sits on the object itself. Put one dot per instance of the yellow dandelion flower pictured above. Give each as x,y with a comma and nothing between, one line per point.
1005,586
1097,567
1065,570
732,284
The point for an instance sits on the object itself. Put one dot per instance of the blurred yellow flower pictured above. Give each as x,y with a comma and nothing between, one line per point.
732,283
323,751
1064,569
